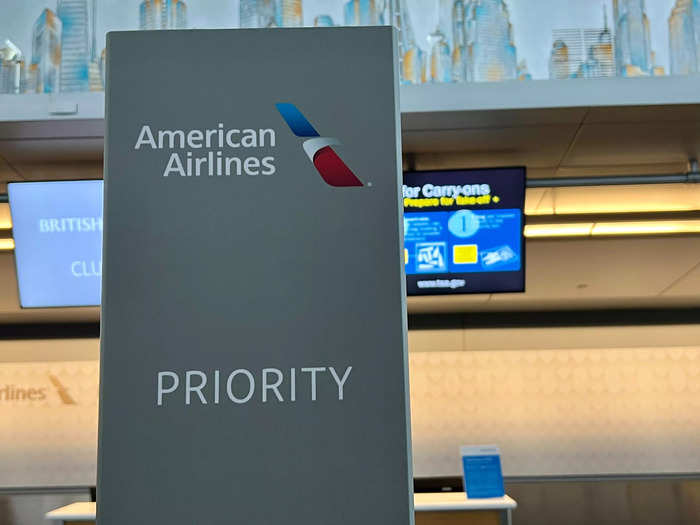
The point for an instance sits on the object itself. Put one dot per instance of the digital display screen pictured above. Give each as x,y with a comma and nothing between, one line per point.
57,227
463,231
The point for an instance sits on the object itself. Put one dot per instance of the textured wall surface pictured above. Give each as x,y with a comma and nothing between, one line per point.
48,423
553,412
559,412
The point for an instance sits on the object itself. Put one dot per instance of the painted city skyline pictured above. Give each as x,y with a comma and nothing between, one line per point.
58,44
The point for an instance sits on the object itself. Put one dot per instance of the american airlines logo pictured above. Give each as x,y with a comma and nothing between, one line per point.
26,394
326,161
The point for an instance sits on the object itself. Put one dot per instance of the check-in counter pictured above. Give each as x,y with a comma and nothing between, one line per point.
438,508
445,508
81,513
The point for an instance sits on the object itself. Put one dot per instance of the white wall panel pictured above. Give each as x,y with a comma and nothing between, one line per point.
559,412
48,423
576,410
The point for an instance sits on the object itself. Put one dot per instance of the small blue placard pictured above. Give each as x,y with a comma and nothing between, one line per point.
483,477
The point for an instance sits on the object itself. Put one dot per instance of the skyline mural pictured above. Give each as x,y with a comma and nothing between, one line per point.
58,45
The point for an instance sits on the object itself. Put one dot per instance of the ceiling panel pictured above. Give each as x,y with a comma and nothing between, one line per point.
539,201
7,172
687,285
620,114
49,129
17,151
663,168
600,268
634,143
628,198
60,170
459,160
537,146
611,140
491,119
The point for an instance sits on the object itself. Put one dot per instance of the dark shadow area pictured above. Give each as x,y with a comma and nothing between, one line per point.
601,501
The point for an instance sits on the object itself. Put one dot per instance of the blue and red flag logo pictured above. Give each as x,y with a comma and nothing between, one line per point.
327,162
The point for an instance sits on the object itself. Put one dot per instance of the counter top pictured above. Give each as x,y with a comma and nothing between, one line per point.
439,501
456,501
81,511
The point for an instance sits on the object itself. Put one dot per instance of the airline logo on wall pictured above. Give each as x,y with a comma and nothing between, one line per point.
51,389
327,162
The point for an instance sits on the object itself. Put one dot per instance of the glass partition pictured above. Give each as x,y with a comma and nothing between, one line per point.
499,40
57,46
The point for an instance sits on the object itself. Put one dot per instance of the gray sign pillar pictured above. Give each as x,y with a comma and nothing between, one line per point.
254,365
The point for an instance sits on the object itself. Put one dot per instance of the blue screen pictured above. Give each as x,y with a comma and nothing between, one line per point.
463,231
57,227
